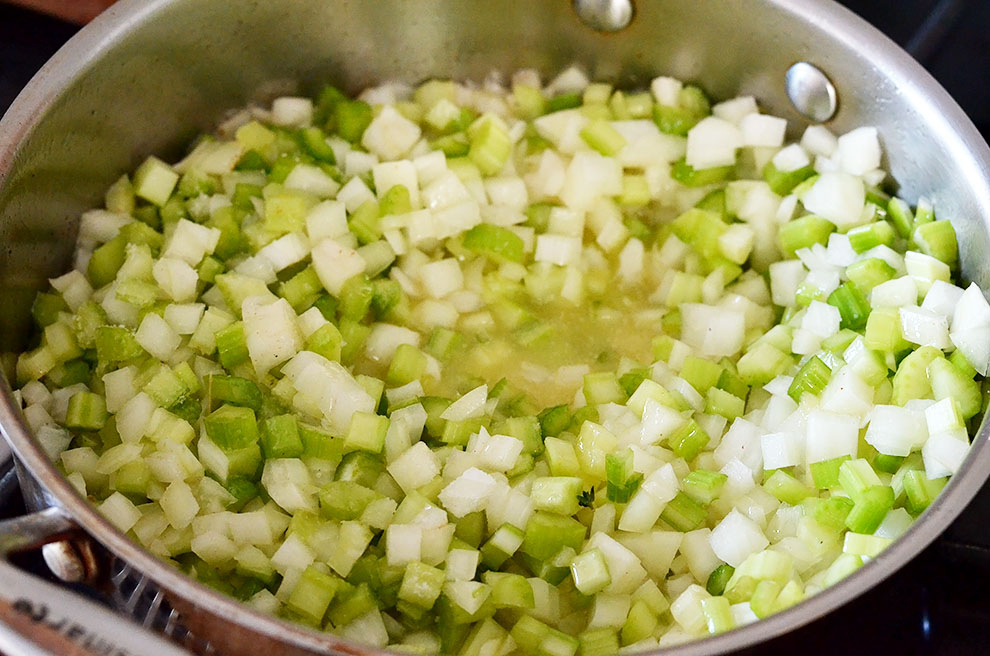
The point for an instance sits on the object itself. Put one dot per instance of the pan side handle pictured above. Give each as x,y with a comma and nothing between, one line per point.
37,617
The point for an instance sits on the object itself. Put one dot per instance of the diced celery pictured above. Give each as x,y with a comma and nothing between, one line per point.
622,480
811,378
870,508
86,411
232,427
547,533
683,513
786,488
280,437
803,232
234,390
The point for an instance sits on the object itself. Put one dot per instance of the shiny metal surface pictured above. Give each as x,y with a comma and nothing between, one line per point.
811,92
149,74
605,15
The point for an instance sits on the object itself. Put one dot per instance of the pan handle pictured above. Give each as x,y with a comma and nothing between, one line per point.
37,617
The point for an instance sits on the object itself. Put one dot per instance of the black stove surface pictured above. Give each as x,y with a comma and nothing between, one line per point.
936,604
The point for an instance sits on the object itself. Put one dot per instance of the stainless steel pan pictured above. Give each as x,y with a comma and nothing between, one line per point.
148,75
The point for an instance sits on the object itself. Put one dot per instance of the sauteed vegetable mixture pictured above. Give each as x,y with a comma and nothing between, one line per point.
511,368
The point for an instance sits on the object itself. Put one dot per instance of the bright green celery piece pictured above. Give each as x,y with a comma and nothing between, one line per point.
534,637
852,304
700,229
388,301
688,441
563,101
232,345
911,380
356,603
920,490
351,118
228,221
856,476
674,120
236,287
503,543
209,269
360,467
762,363
490,146
355,298
825,473
69,373
554,420
937,239
622,481
811,378
421,585
803,233
280,437
691,177
365,222
883,331
234,390
718,579
764,597
831,512
703,486
599,642
878,233
243,193
527,429
319,444
546,534
510,590
312,594
46,308
408,364
166,388
718,615
366,432
702,374
315,142
116,344
632,379
959,361
901,216
870,508
86,411
783,182
232,427
589,571
302,289
60,339
887,463
457,433
443,343
326,341
601,136
949,382
106,261
641,623
635,190
603,387
725,404
867,274
345,500
683,513
495,242
786,488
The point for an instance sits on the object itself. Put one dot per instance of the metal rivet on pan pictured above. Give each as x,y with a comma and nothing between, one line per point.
604,15
811,92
